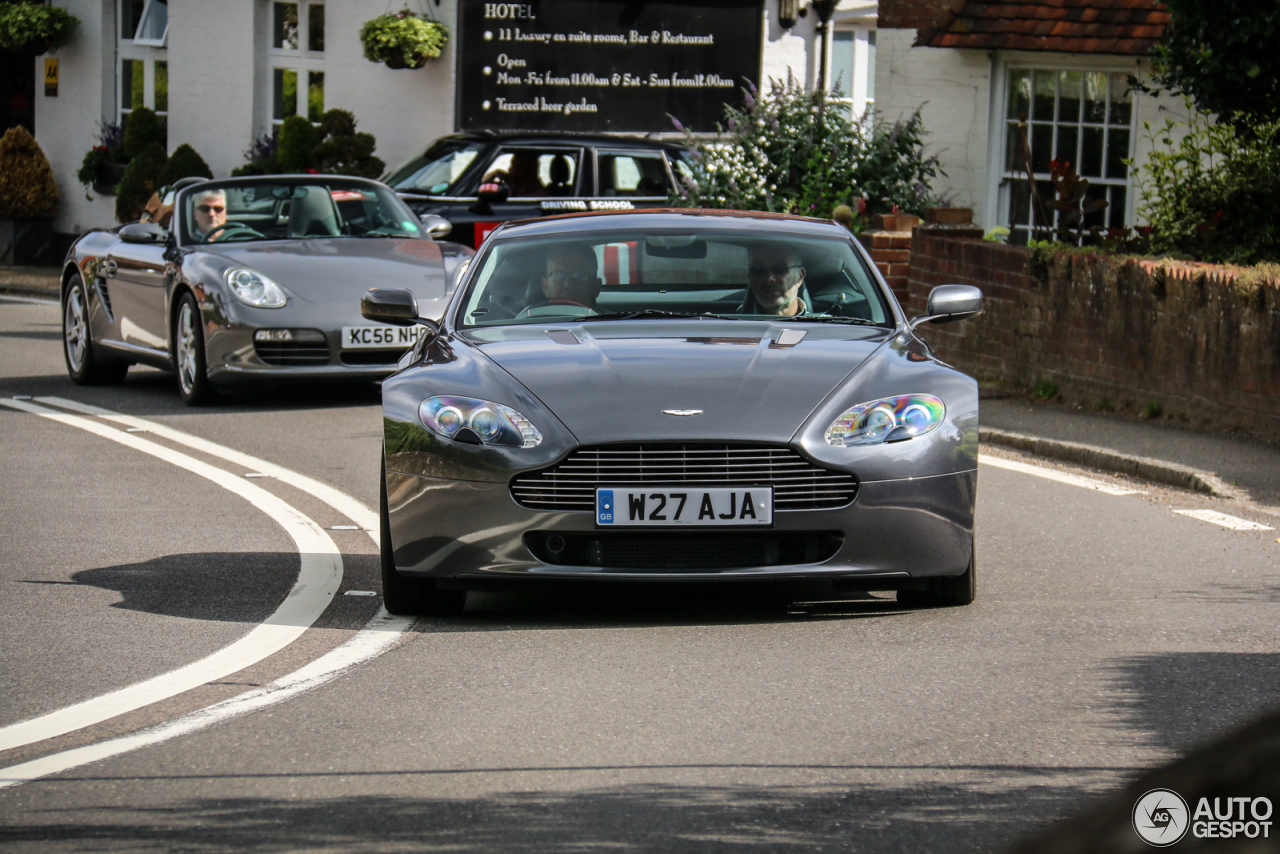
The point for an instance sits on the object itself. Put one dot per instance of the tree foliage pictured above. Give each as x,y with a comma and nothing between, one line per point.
27,186
791,151
298,138
1224,55
141,179
142,128
185,162
33,28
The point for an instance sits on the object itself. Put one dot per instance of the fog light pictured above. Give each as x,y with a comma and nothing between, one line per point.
273,335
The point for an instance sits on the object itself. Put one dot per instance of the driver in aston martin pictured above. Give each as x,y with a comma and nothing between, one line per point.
209,215
571,280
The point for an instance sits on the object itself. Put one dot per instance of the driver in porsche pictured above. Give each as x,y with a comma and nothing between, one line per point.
209,215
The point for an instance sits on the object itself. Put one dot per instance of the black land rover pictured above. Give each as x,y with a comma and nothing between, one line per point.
478,180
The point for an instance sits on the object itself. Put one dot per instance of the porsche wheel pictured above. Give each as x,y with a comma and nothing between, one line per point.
946,591
188,353
83,364
405,595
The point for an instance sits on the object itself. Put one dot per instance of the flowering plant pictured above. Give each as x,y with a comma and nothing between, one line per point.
103,164
31,29
792,151
403,39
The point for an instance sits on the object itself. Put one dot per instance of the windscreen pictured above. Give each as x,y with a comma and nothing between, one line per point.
622,275
294,211
437,168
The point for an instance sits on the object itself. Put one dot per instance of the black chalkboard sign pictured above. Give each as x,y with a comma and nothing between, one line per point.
604,65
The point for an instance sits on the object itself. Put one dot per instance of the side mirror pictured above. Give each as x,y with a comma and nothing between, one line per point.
437,226
143,232
396,306
493,192
951,302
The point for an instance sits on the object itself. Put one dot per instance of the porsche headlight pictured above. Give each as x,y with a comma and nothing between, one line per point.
890,419
490,423
253,288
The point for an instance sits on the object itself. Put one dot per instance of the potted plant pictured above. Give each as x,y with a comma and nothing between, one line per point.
28,199
104,163
403,39
30,29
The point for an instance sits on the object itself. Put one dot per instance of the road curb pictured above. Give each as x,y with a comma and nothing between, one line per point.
1159,471
22,291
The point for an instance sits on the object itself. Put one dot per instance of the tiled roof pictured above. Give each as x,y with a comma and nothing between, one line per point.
1130,27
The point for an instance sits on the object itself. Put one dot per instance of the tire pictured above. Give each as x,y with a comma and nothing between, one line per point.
84,366
188,352
406,595
947,591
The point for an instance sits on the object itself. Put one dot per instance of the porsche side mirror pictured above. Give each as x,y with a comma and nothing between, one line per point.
437,226
951,302
143,232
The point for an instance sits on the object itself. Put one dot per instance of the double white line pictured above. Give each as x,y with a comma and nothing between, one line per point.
318,581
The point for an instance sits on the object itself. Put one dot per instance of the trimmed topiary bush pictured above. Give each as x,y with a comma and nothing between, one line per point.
342,151
184,163
142,128
298,140
141,179
27,186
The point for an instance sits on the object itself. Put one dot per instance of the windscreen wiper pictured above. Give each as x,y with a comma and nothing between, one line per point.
654,312
829,318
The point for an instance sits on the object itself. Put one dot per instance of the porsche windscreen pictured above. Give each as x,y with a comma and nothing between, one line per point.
295,211
608,276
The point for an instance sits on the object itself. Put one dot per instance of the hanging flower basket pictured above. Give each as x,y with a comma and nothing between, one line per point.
403,39
30,29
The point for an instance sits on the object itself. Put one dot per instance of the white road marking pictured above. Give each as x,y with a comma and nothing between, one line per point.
346,505
1235,523
28,300
378,635
256,474
319,578
359,593
1060,477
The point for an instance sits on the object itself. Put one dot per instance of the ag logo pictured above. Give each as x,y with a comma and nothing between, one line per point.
1160,817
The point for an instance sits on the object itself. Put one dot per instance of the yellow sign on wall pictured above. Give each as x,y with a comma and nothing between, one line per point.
51,78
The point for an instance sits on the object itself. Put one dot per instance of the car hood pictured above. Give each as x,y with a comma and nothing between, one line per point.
616,383
323,270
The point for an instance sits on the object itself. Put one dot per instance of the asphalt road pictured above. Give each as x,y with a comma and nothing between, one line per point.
1110,635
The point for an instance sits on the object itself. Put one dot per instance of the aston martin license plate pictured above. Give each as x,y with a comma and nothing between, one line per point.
379,337
627,505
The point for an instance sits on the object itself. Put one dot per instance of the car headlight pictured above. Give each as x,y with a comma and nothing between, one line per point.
890,419
463,418
253,288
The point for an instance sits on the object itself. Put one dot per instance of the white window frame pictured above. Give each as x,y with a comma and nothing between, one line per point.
997,184
149,51
163,41
299,59
861,26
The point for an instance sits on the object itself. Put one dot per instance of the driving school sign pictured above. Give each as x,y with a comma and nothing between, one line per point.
604,65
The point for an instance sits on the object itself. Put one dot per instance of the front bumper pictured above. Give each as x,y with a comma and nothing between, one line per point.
894,530
235,359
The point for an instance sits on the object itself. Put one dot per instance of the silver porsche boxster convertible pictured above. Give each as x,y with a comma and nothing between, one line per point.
255,280
676,396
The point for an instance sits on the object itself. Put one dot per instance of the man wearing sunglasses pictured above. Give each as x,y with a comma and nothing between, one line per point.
209,215
776,277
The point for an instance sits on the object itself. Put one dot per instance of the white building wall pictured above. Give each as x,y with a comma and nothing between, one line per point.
67,125
952,90
213,47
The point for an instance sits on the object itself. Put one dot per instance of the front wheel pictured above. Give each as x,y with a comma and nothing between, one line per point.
403,594
83,365
946,591
188,353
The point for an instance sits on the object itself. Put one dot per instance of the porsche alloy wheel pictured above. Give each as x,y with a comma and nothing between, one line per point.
83,366
188,353
403,594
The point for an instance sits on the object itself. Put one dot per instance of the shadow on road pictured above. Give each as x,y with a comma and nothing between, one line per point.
931,815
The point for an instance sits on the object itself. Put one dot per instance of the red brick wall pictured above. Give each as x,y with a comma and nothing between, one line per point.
891,252
1195,338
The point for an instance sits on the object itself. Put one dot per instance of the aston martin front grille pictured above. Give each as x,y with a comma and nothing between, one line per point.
797,483
292,354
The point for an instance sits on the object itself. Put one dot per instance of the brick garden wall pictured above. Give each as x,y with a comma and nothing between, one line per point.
1200,340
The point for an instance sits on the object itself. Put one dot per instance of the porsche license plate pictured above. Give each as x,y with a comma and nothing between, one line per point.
628,505
380,337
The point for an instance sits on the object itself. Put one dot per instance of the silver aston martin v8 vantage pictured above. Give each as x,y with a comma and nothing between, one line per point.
252,281
676,396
